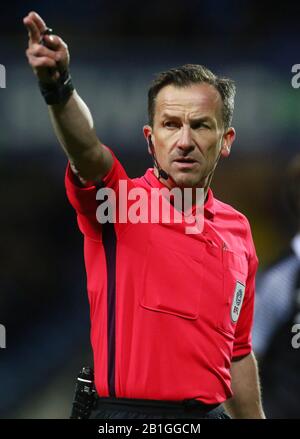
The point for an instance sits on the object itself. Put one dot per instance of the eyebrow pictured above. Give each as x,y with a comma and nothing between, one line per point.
196,120
202,119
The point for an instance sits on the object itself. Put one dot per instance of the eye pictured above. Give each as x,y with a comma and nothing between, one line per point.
171,124
198,125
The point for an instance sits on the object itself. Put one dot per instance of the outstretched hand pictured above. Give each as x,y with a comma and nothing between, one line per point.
49,58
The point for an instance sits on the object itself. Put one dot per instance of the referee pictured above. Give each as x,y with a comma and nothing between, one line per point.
171,309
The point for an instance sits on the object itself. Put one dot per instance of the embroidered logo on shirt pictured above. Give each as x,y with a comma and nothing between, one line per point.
237,302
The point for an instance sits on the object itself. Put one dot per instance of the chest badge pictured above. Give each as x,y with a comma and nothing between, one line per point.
237,302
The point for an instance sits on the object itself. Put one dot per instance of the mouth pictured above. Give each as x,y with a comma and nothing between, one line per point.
185,162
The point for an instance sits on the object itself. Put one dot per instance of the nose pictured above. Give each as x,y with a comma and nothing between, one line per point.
185,140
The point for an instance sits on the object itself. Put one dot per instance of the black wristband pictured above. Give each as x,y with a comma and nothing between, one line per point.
57,92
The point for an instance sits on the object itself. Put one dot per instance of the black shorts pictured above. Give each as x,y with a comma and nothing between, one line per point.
123,408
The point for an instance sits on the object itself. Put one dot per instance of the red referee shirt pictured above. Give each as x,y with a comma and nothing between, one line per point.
169,310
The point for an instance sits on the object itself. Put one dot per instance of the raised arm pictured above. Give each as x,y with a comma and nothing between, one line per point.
71,120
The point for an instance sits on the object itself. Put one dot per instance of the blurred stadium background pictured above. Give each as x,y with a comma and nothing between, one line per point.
116,47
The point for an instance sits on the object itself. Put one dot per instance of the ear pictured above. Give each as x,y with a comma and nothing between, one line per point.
147,130
227,141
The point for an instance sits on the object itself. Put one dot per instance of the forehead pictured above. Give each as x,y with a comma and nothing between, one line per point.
197,98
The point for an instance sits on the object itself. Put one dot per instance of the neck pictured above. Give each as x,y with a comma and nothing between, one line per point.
170,184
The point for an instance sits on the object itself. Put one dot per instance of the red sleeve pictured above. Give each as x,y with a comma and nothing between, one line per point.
83,199
243,338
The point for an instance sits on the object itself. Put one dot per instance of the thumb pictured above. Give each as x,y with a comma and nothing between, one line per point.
53,42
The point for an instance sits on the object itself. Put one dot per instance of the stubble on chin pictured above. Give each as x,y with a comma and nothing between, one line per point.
187,180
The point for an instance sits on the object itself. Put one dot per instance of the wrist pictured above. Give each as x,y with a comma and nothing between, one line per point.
58,91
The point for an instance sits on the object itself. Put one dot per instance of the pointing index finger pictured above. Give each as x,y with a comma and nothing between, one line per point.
39,22
33,31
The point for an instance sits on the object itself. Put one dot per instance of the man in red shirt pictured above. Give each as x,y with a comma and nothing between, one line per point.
171,307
